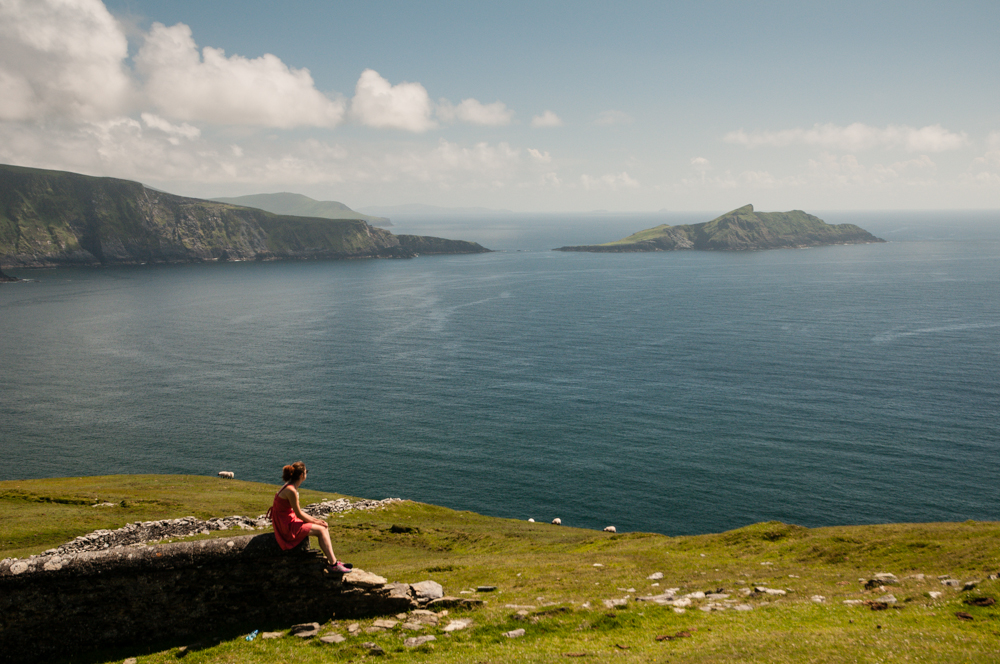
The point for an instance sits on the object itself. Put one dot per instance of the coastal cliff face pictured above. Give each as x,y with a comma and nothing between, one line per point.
741,229
51,218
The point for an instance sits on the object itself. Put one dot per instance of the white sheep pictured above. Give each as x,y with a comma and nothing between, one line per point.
557,521
227,474
610,529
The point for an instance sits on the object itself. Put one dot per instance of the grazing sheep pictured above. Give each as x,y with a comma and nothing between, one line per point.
227,474
531,520
610,529
557,521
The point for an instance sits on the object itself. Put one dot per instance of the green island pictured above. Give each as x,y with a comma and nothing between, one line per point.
52,218
552,581
741,229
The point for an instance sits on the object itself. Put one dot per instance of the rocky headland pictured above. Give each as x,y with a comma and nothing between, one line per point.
52,218
741,229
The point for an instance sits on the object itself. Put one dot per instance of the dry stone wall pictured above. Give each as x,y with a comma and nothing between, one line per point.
61,604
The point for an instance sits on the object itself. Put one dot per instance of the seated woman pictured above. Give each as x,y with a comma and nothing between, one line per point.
292,525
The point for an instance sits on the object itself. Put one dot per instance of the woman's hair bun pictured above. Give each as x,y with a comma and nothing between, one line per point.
293,472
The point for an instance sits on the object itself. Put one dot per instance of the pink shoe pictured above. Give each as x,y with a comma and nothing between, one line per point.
337,568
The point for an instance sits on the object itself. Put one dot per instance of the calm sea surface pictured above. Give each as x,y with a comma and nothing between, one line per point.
677,392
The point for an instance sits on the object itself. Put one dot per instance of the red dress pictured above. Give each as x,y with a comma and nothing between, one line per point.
289,529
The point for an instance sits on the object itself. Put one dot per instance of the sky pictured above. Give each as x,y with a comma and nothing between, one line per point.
527,106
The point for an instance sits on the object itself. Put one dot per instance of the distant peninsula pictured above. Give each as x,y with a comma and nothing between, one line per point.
739,230
303,206
52,218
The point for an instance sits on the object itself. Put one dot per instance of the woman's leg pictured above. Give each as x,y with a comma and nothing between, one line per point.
322,533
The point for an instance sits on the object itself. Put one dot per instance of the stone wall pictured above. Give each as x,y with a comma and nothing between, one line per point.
53,606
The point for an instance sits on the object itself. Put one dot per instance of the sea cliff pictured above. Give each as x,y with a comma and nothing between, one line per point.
52,218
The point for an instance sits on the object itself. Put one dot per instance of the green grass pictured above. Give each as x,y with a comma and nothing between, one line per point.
552,569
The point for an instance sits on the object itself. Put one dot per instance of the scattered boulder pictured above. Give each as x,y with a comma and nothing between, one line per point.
385,623
612,603
415,641
969,585
272,635
951,583
305,630
427,591
514,633
655,576
333,638
373,648
819,599
362,579
456,625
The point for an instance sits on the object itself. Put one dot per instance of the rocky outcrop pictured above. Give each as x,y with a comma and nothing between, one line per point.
172,594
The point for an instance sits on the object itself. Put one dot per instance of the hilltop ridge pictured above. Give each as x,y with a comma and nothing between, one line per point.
302,206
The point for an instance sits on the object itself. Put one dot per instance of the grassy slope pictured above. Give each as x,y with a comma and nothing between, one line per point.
538,564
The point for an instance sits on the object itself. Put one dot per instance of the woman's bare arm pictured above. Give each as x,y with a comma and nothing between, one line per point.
298,510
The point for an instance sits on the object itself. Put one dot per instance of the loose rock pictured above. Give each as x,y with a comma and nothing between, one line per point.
415,641
333,638
514,633
427,591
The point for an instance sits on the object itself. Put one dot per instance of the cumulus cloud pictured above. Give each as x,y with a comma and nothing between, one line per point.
613,117
184,84
378,103
472,111
609,181
61,58
546,119
176,132
539,156
701,164
854,137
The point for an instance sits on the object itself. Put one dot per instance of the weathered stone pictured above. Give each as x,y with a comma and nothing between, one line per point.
454,603
952,583
131,660
385,623
272,635
305,630
456,625
969,585
362,579
427,591
819,599
612,603
333,638
935,594
769,591
514,633
373,648
655,576
742,607
413,625
415,641
424,616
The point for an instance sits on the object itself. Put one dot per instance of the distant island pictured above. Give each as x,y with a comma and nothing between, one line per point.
51,218
303,206
739,230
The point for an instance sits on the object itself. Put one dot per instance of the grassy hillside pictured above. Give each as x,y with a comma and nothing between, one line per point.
57,218
552,581
303,206
739,230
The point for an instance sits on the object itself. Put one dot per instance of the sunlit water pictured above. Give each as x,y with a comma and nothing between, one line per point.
674,392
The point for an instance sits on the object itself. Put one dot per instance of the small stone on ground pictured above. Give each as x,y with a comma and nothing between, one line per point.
514,633
415,641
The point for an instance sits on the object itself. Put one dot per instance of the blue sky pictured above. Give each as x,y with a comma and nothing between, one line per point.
555,106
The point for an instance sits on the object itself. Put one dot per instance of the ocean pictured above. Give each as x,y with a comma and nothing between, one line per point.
680,393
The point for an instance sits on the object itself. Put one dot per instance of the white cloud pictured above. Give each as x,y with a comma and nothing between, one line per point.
609,181
539,156
61,58
176,132
209,87
613,117
474,112
379,104
701,164
546,119
857,136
